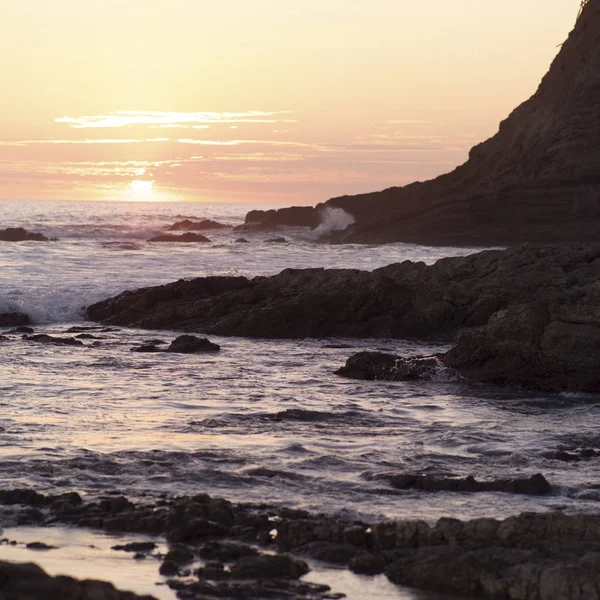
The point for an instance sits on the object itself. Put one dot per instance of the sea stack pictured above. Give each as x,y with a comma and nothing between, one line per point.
537,180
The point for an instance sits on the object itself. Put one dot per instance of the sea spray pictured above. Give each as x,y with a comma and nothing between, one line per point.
333,219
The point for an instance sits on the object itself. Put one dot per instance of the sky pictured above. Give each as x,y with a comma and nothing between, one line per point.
268,101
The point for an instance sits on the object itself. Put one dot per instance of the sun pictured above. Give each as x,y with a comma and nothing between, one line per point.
141,187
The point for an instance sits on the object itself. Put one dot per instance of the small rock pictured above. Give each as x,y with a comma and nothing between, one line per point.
190,344
39,546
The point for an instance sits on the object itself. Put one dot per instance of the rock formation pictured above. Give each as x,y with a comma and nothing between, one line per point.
526,316
18,234
537,180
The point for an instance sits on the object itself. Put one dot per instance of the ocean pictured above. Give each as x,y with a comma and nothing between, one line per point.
263,420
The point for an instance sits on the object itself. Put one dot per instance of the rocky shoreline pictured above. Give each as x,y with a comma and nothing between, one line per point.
525,316
217,549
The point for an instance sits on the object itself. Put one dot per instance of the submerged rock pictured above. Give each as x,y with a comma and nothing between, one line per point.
189,225
42,338
185,237
18,234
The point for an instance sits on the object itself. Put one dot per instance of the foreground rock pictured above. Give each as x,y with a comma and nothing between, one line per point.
550,556
18,234
536,180
29,582
185,238
189,225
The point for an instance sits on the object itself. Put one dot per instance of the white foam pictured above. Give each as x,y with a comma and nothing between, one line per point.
333,219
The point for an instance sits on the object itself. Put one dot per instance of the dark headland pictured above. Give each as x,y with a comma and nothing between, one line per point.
537,180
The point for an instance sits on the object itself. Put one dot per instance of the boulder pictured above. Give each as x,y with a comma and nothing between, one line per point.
190,344
388,367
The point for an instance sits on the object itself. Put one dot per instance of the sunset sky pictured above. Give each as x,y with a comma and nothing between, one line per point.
262,101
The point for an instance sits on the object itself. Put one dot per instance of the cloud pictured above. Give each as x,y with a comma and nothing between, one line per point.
127,118
86,141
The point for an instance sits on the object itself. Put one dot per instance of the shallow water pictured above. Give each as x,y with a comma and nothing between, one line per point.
263,420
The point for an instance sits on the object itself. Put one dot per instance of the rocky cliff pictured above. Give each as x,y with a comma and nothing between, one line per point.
536,180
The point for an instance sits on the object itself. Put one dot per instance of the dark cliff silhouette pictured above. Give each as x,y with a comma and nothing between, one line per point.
536,180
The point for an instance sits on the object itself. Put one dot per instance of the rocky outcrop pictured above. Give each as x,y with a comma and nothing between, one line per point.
185,237
189,225
29,582
14,319
250,551
18,234
526,316
293,216
537,180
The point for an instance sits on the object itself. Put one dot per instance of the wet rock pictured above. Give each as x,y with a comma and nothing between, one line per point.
277,240
136,547
42,338
189,225
29,582
293,216
85,336
21,329
180,555
18,234
536,485
190,344
242,241
115,505
225,551
388,367
185,237
196,530
366,563
168,568
12,319
330,552
39,546
278,566
146,348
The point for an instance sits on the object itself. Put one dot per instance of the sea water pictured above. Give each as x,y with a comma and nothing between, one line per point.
263,420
